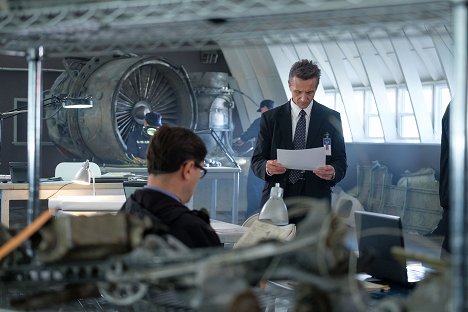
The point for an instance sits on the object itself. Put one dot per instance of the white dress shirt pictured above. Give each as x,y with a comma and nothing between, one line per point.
295,110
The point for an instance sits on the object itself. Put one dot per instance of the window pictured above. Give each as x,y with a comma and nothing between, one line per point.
373,126
436,98
407,126
441,99
333,100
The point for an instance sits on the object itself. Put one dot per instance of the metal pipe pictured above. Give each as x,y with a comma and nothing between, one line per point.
458,160
19,69
34,58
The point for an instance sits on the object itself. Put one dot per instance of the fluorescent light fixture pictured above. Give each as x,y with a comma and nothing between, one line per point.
84,176
69,102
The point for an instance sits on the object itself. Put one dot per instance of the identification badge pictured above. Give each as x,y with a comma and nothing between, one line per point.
327,144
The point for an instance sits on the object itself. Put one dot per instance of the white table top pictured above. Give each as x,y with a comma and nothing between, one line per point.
86,205
228,232
59,184
101,203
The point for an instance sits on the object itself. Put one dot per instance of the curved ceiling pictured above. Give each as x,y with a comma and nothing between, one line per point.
102,27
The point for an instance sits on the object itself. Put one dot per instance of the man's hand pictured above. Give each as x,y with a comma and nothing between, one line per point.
138,161
274,167
326,172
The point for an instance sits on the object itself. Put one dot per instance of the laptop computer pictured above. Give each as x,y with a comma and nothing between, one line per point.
131,186
377,234
18,172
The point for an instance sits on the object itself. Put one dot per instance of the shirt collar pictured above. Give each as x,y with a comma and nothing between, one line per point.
295,110
154,188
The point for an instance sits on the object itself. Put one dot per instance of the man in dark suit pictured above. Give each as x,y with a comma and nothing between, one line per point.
322,127
444,189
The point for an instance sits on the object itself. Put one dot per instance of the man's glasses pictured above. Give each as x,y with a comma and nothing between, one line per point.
203,171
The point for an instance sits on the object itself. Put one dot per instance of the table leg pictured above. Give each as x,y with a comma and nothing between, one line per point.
5,217
214,198
235,198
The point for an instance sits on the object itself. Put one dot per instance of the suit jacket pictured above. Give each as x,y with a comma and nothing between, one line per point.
444,161
276,132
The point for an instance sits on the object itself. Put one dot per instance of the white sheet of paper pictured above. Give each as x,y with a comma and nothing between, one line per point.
305,159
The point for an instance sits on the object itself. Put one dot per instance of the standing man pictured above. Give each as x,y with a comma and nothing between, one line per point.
254,184
444,189
298,124
138,140
175,166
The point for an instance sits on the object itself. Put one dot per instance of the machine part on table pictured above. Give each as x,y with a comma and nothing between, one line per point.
215,105
122,293
414,193
205,279
207,87
218,152
23,237
17,256
79,238
123,88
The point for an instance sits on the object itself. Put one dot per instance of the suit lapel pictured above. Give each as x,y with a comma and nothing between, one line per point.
285,124
316,119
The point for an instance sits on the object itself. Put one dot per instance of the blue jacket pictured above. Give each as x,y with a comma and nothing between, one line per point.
252,131
137,143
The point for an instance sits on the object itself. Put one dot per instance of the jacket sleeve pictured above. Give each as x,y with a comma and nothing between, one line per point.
252,131
199,235
338,159
444,161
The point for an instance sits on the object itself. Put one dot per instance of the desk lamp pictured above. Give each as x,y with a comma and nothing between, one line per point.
274,211
84,176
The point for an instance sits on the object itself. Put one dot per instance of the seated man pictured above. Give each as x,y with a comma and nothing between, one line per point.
175,165
138,140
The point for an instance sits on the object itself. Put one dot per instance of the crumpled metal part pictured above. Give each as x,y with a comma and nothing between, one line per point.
205,279
89,238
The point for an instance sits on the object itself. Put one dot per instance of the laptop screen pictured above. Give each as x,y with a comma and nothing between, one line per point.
377,234
131,186
18,172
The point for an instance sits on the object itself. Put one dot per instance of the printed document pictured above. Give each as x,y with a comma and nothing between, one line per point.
305,159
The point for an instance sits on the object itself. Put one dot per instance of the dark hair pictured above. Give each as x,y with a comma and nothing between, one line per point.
305,70
170,147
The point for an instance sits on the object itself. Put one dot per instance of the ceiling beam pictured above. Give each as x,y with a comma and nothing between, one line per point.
346,90
407,65
377,84
445,55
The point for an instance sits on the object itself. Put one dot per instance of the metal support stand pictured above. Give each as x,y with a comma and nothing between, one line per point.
458,161
34,58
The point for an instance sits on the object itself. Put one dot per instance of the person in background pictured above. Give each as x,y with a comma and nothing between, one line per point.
175,166
300,123
138,140
254,184
443,228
